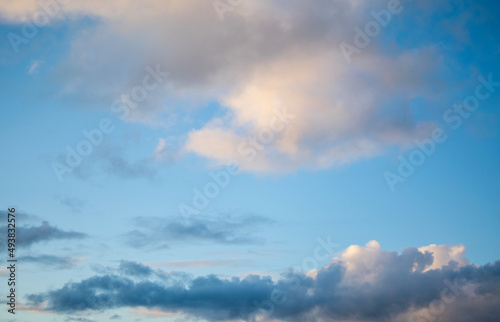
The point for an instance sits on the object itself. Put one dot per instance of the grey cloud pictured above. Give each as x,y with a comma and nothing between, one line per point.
22,218
224,229
194,62
123,169
60,262
68,319
401,286
134,269
29,235
112,160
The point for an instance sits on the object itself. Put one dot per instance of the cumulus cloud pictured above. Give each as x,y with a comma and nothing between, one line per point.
337,117
224,229
283,54
444,254
29,235
395,287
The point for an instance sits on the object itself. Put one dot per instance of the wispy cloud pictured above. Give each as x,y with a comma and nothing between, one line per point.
80,319
33,67
75,204
114,160
224,229
201,263
29,235
58,262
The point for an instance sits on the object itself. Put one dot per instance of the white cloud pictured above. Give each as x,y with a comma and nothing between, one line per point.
366,264
338,115
443,254
282,54
161,149
32,68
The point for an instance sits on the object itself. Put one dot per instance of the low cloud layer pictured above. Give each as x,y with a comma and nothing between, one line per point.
364,284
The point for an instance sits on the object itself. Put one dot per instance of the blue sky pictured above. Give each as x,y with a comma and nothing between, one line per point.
314,130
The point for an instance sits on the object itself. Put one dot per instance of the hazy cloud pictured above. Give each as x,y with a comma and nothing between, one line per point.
224,229
60,262
75,204
114,160
68,319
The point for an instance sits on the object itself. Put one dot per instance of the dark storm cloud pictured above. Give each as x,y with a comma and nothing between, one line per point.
29,235
401,285
220,229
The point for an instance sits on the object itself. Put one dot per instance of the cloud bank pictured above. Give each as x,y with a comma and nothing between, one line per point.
364,284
